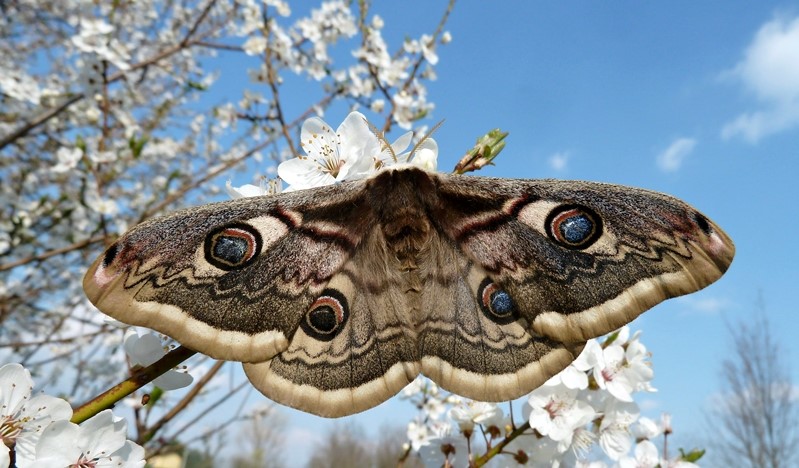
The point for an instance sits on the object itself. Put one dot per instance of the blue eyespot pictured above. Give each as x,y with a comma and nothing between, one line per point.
573,226
232,247
576,229
501,303
496,303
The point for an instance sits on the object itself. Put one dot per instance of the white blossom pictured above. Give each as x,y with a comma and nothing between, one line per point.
541,451
147,349
555,411
468,413
434,407
622,371
614,431
265,187
665,423
22,417
254,45
282,7
378,105
646,428
98,442
227,115
331,157
645,456
352,152
95,37
68,159
444,446
418,434
19,85
425,155
425,46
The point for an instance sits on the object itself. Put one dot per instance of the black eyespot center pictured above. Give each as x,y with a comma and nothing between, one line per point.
574,227
233,246
326,316
323,319
496,304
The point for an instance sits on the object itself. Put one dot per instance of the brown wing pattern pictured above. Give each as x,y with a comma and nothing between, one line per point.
172,273
649,247
337,297
474,349
361,358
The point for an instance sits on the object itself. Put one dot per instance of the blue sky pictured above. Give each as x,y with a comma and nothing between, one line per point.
696,99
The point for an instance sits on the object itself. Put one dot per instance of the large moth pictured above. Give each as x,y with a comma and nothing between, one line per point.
335,298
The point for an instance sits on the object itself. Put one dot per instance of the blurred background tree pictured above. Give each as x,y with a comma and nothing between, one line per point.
113,112
754,420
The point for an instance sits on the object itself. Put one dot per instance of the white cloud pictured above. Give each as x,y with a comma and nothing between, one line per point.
672,157
559,161
770,71
706,305
649,405
753,126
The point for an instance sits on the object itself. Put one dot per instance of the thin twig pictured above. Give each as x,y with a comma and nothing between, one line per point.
196,182
497,449
140,378
183,403
51,253
50,341
271,78
197,23
212,406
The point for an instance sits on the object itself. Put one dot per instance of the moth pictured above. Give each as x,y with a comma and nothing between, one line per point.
335,298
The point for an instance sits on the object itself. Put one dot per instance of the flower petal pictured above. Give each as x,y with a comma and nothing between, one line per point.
318,140
173,380
101,434
31,414
143,349
132,454
302,173
359,147
402,143
245,191
15,388
58,445
426,155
